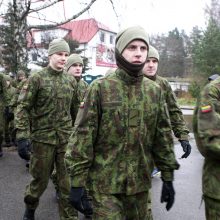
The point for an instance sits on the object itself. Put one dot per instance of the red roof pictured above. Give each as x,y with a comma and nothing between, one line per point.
84,30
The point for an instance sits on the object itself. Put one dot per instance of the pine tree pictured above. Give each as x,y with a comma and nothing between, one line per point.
13,39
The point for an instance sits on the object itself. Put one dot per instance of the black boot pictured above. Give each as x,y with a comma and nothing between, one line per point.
29,214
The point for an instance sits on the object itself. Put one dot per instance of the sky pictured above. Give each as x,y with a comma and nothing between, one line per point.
156,16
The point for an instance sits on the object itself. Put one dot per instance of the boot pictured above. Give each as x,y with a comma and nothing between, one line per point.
29,214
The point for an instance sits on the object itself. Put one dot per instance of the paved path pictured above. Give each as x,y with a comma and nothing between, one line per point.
14,177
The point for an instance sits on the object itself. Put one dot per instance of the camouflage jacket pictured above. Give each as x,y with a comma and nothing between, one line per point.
46,99
81,90
4,93
178,124
121,127
14,100
82,87
206,127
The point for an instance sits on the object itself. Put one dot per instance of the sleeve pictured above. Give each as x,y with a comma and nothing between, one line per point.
163,149
5,92
178,123
79,154
207,122
75,100
26,101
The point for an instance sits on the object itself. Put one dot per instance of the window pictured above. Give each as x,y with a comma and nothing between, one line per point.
34,57
102,37
111,39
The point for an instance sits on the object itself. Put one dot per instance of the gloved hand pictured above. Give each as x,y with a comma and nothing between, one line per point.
167,194
186,148
9,115
24,148
80,201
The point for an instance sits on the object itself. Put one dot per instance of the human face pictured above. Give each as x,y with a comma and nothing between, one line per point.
76,70
135,52
150,67
58,60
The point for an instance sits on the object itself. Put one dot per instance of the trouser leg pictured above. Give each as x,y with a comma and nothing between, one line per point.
66,210
42,160
121,206
212,208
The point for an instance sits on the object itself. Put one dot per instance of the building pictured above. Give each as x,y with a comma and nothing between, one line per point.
95,39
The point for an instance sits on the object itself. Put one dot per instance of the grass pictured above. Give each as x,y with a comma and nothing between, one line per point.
186,101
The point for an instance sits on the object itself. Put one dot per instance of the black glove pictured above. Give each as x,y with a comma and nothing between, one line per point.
186,148
9,115
80,201
24,148
167,194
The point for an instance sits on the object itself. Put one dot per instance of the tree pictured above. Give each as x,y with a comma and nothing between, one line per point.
15,28
172,54
14,47
206,51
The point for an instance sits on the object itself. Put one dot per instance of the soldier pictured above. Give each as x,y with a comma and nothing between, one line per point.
74,67
23,150
120,129
178,124
9,125
206,129
4,108
176,116
46,98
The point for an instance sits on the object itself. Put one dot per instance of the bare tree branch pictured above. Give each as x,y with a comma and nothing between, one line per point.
44,6
43,27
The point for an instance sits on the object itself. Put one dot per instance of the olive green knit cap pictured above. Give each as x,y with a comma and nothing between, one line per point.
124,37
153,53
73,58
58,45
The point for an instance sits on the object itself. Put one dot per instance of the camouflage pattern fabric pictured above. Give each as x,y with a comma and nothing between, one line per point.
14,100
206,127
4,101
42,163
176,116
82,87
212,208
46,99
121,128
116,206
81,90
9,126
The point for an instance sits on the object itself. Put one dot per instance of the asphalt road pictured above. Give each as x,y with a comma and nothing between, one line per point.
14,177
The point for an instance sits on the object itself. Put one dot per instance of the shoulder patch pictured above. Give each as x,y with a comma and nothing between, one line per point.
206,109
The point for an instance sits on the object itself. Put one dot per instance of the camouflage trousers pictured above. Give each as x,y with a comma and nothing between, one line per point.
212,208
121,206
43,158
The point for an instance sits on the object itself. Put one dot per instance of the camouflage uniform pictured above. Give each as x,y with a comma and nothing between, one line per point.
120,129
9,125
176,116
206,126
4,101
46,98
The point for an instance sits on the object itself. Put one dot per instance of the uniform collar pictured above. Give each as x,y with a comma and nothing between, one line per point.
128,79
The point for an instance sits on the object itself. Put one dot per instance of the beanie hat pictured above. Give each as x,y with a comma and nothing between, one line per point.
73,58
124,37
20,73
153,53
58,45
